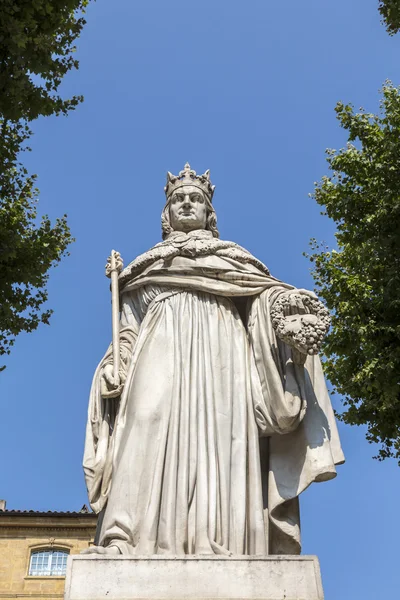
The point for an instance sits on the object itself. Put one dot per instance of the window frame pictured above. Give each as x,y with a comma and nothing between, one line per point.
51,551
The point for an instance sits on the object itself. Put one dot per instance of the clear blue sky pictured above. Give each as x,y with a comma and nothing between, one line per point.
246,89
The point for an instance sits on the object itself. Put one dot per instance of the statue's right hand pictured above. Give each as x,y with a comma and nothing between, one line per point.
110,387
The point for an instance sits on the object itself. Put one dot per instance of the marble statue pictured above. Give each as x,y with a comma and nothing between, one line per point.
219,416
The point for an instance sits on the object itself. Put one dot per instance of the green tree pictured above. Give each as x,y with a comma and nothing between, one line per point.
36,51
360,280
390,11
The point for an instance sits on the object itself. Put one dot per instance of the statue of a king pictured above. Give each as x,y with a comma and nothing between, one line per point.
219,417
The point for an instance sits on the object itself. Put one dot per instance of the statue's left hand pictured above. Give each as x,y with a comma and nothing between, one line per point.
293,302
301,321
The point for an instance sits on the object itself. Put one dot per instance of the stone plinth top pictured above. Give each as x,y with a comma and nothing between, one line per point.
193,578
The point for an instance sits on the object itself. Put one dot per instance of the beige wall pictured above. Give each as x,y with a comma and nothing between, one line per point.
19,535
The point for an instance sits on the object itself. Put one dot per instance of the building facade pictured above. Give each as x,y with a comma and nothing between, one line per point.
34,547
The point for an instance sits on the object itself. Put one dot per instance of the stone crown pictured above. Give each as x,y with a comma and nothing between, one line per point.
189,177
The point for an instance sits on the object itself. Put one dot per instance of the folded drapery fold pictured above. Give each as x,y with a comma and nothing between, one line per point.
175,463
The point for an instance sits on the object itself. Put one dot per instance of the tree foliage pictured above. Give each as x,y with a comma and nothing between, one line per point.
360,281
390,11
36,51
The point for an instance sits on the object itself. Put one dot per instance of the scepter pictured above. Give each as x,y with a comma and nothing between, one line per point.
113,268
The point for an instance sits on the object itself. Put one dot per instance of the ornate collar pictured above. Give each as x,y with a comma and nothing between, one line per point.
192,245
198,234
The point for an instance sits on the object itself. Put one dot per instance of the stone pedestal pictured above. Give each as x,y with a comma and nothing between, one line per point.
193,578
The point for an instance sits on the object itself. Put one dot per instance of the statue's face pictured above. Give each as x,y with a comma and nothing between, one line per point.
188,210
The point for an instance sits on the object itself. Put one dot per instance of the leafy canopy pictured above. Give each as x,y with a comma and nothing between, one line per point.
360,281
36,46
390,11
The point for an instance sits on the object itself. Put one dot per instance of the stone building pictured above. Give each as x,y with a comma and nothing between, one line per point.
34,547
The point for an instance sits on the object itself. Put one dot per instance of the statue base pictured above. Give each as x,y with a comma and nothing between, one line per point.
91,577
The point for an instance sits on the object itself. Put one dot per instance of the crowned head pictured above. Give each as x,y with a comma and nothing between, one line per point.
189,203
189,177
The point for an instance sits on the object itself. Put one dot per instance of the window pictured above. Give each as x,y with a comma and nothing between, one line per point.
48,562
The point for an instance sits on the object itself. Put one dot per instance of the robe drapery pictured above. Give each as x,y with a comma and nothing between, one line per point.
217,430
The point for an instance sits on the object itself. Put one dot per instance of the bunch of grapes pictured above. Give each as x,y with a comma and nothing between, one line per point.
306,331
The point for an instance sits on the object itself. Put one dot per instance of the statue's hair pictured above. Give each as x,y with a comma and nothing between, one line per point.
211,223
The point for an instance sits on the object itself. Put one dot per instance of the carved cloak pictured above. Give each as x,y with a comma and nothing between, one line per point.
175,465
